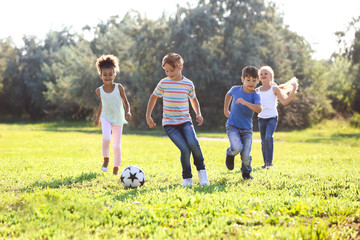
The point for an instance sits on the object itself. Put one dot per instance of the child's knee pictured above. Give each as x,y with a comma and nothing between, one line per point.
246,160
106,140
268,139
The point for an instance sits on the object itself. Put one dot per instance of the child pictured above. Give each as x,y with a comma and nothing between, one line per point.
239,124
111,112
175,90
269,94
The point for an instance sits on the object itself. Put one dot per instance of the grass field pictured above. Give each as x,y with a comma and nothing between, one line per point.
51,187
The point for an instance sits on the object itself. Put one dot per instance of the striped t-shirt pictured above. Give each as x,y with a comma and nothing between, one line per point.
175,96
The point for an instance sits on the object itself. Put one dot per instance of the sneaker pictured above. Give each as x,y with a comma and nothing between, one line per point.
229,161
104,167
187,182
247,176
116,170
268,166
203,178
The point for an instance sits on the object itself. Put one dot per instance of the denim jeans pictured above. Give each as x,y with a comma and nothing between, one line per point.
183,136
267,128
240,142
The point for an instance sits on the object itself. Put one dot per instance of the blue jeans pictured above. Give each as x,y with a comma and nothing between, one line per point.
240,142
183,136
267,127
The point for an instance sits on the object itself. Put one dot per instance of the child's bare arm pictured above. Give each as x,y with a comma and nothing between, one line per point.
126,103
196,106
255,107
284,98
227,101
151,104
97,119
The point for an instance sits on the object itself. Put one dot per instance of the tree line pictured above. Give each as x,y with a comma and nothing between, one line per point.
55,78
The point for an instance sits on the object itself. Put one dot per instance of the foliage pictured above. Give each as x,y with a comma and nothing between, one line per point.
355,120
352,52
53,187
56,78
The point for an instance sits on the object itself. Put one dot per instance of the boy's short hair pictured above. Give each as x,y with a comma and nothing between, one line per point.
250,71
173,59
107,61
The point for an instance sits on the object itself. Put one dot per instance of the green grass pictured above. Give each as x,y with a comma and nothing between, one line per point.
51,187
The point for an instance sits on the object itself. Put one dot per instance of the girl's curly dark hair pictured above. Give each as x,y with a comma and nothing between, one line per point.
107,61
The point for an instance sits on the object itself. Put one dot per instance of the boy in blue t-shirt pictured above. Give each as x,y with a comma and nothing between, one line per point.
239,124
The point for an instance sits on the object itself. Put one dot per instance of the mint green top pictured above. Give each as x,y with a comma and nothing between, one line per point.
112,106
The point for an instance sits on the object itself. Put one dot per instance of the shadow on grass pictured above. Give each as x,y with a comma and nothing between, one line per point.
220,185
63,182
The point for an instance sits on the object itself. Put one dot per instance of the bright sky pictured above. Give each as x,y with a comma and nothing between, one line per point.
316,20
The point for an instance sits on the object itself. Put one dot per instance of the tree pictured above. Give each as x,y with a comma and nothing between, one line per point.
10,86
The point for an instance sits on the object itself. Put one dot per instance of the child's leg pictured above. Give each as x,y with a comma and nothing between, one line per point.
269,140
106,132
246,139
174,133
117,133
190,136
235,141
262,128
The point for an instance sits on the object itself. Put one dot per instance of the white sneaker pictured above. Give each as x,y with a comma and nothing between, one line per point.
187,182
203,178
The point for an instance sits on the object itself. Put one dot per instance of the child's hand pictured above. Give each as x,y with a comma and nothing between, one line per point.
226,113
199,120
128,116
241,100
295,85
97,121
150,122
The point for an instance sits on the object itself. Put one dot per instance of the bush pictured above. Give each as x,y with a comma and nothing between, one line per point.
355,120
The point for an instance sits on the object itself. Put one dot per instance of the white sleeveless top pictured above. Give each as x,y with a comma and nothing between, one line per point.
268,103
112,106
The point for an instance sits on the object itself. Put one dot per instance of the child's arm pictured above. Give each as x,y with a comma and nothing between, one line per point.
227,101
151,104
285,99
196,106
97,119
255,107
126,103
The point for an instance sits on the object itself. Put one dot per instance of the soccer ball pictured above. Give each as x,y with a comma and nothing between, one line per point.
132,177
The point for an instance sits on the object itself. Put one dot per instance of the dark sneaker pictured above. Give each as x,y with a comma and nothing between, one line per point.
263,167
116,170
229,162
247,176
104,167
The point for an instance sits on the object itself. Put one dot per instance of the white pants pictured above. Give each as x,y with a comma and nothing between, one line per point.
107,128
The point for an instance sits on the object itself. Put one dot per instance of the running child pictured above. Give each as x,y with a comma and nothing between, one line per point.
239,126
176,90
114,109
270,93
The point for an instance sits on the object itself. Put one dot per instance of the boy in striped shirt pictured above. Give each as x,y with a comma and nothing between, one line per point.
176,90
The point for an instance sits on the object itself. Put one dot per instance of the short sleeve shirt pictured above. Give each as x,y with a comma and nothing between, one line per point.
240,115
175,96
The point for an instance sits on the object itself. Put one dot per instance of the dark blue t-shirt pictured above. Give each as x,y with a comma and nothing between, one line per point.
241,115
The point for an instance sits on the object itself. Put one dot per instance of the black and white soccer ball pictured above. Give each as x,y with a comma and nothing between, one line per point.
132,177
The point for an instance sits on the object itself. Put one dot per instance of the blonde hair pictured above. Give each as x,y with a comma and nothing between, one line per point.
271,72
286,87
